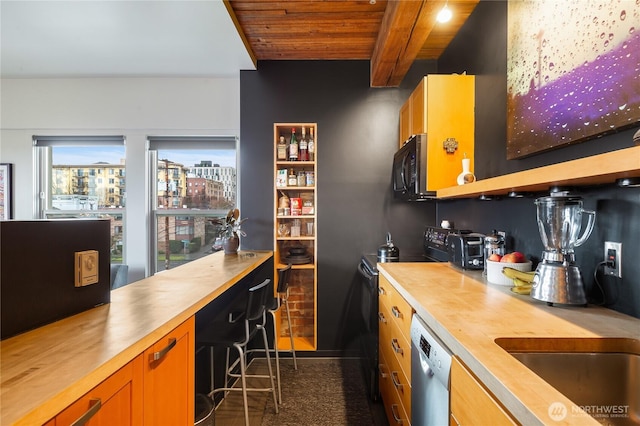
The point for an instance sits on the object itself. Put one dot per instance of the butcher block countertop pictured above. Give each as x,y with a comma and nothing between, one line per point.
468,314
45,370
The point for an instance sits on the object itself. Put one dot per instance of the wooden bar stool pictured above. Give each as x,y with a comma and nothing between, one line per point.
281,299
237,331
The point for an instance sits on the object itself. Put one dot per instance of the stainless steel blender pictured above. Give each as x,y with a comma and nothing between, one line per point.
557,278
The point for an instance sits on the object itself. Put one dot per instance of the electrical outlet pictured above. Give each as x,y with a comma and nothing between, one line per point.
613,257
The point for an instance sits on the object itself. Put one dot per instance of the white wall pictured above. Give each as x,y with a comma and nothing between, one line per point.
133,107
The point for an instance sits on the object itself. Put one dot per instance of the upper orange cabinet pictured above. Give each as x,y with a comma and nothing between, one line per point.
443,107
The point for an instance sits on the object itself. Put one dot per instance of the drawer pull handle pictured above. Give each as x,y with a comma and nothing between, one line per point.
396,346
95,405
455,420
162,353
396,380
396,416
382,318
381,367
396,312
381,291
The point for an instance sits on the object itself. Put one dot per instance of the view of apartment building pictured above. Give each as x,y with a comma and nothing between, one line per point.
218,173
88,186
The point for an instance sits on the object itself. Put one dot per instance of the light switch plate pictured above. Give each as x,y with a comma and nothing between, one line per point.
86,268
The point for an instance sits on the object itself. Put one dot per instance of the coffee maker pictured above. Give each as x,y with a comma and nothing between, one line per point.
557,278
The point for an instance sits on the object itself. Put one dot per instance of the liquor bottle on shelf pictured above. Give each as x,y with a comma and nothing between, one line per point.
293,146
282,149
311,146
303,154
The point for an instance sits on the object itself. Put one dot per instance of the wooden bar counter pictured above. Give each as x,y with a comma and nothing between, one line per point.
469,314
45,370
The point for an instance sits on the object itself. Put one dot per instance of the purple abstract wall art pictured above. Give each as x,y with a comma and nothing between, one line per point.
573,72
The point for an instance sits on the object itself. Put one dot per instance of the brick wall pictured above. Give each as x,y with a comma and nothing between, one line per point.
301,305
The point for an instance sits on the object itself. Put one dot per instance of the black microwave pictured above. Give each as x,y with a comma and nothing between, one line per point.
410,170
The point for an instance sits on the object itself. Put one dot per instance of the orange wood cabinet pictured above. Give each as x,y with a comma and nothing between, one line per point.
393,406
471,402
405,121
394,314
443,107
156,387
169,378
116,401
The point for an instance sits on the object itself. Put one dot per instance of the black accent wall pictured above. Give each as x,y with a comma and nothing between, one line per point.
357,136
481,49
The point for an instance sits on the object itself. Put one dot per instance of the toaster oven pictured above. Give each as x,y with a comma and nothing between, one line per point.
466,251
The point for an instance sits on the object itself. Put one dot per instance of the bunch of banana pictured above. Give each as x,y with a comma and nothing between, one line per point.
522,281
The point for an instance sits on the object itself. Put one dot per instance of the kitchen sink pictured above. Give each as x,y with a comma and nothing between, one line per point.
600,375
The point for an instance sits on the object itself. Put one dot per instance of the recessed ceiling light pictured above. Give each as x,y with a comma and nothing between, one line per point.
444,15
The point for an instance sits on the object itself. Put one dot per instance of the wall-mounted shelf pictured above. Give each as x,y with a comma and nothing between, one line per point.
595,170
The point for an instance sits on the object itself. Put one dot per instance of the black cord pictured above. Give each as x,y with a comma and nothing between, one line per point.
595,278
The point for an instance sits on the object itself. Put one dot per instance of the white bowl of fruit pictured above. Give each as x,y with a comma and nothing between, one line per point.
503,270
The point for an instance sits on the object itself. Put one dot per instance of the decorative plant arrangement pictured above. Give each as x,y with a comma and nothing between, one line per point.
230,231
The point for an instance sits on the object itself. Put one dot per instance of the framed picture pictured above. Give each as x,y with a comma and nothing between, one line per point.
572,72
6,191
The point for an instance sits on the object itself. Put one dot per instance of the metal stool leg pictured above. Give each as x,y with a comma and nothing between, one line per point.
266,352
277,356
211,372
243,370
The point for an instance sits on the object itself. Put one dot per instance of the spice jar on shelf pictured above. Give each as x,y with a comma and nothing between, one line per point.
310,178
302,179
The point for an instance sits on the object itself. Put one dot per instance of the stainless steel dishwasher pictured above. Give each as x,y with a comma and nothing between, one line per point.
430,373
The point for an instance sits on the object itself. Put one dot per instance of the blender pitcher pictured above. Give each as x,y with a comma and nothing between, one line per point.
560,221
558,278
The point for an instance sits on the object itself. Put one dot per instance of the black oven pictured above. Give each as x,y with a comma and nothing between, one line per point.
434,251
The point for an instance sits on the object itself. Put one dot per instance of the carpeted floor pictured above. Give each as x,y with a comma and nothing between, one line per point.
323,392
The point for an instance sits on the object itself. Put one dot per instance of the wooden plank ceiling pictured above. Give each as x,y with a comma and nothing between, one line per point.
389,33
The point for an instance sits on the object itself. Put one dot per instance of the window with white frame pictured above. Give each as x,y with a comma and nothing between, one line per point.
193,182
69,181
